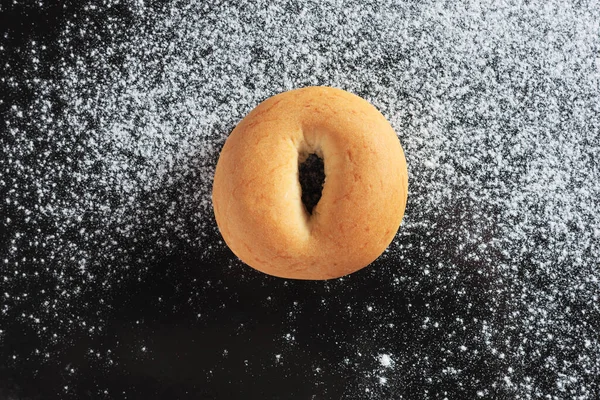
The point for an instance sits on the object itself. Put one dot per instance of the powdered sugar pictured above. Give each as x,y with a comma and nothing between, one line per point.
496,105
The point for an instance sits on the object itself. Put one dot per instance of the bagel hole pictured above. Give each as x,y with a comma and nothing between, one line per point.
311,173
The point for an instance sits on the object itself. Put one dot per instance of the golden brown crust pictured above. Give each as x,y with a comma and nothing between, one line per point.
257,195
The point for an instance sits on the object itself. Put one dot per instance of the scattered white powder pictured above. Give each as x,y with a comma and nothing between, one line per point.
385,360
497,105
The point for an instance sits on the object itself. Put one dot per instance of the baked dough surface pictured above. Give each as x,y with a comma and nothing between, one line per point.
257,194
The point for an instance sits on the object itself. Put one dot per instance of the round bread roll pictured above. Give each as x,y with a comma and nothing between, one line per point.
257,193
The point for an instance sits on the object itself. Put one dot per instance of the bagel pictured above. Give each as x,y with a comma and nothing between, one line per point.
257,196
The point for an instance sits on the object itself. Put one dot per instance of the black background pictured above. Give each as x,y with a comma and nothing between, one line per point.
184,330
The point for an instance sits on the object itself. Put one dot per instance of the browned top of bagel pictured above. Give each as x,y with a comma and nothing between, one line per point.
257,194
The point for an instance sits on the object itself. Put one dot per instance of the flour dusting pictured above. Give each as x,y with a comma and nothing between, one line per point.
491,286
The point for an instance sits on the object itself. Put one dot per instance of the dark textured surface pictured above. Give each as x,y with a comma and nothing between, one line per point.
311,174
115,283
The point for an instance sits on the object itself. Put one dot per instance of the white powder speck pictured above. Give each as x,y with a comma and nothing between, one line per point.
385,360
